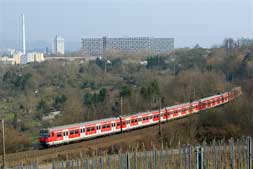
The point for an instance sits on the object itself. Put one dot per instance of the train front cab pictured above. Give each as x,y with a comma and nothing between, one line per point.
44,137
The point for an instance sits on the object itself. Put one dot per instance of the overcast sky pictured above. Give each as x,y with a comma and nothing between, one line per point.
206,22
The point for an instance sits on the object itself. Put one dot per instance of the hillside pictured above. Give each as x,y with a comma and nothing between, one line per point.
84,91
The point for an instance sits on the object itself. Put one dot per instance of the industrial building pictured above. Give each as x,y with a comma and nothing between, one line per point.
97,46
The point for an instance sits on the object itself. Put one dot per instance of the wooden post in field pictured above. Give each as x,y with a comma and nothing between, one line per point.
249,153
3,143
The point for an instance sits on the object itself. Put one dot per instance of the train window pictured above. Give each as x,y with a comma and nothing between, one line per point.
97,127
118,124
124,123
81,130
72,131
140,119
67,133
52,134
88,129
150,117
92,129
76,132
103,126
63,133
44,133
128,121
58,134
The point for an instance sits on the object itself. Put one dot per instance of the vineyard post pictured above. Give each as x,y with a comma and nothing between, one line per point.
184,156
199,157
232,153
249,153
128,161
189,156
3,143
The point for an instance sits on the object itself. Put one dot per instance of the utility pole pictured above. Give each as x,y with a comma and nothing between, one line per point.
105,66
3,143
121,105
160,132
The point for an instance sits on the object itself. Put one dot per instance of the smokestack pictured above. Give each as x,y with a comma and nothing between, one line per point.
23,33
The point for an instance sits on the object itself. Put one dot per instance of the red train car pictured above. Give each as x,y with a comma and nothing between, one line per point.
82,131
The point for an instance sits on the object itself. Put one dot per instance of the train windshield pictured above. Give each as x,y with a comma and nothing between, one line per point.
44,133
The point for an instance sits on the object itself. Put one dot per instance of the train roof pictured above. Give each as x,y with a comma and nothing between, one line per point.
211,97
177,106
82,124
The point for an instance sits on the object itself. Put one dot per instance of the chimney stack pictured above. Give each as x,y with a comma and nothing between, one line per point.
23,34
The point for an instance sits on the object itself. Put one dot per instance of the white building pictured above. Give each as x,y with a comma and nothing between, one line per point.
14,58
6,60
58,45
32,57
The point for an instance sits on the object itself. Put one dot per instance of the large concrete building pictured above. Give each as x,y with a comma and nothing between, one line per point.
98,46
58,45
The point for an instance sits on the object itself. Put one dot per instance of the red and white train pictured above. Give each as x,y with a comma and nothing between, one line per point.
91,129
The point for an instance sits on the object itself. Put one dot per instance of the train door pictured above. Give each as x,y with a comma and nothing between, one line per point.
65,135
82,131
113,126
98,127
128,123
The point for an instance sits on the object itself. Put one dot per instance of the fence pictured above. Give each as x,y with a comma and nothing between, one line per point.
236,154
